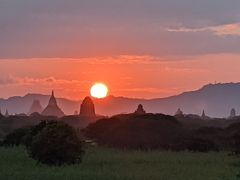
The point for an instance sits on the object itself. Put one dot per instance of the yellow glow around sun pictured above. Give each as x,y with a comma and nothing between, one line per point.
99,90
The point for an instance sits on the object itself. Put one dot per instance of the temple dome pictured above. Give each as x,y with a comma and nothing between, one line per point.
87,107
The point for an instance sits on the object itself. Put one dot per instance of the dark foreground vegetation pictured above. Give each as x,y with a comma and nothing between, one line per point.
49,142
139,132
150,146
54,142
109,164
158,131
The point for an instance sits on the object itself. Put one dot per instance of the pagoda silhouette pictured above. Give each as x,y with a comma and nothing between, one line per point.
36,107
52,108
140,110
179,113
87,108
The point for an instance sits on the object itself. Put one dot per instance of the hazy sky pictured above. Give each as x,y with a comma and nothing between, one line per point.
139,48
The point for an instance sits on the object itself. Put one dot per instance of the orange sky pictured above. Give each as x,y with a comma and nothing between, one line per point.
131,76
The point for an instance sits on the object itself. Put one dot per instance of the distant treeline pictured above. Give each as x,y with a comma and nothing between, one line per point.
145,132
158,131
13,122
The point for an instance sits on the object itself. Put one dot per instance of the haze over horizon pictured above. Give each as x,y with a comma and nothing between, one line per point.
119,96
138,48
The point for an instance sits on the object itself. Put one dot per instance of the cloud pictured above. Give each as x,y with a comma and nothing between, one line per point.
150,90
7,80
44,82
84,28
223,30
229,29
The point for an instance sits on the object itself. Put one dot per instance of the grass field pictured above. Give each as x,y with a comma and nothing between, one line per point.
109,164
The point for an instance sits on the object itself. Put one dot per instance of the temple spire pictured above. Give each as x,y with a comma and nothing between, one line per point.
232,113
179,113
52,100
203,114
6,113
52,108
140,110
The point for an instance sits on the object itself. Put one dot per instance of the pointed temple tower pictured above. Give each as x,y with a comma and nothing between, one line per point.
204,116
1,115
52,108
179,113
87,108
36,107
6,113
233,113
140,110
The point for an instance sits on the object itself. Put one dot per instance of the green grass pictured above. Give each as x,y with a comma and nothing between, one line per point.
109,164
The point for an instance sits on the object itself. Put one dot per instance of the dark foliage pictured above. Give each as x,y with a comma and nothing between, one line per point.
152,131
35,130
16,137
235,143
55,143
195,144
233,137
11,123
132,131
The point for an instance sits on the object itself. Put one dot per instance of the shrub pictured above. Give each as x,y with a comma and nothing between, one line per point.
16,137
235,143
27,140
56,144
131,131
196,144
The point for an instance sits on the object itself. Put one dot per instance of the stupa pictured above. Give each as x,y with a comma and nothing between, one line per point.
204,116
52,108
1,115
232,113
36,107
87,108
140,110
179,113
6,113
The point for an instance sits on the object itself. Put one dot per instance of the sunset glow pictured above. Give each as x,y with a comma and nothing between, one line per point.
99,90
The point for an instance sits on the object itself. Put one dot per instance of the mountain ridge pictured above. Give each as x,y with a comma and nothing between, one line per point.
216,99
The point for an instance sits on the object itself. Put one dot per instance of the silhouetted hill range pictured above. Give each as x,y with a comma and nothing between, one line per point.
216,99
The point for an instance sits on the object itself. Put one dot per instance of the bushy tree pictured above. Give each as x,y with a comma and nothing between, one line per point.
56,144
27,140
196,144
16,138
235,143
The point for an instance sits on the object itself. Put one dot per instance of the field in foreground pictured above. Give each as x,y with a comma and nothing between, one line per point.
109,164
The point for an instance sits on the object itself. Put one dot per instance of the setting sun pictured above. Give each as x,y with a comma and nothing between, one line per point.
99,90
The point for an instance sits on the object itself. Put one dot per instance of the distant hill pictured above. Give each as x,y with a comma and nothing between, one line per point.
216,99
19,104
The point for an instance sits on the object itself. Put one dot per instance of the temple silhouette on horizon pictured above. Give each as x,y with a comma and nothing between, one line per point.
87,108
52,108
140,110
36,107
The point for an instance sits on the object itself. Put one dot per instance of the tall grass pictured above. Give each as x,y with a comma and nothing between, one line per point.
110,164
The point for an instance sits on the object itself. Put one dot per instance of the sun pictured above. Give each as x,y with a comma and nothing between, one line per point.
99,90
